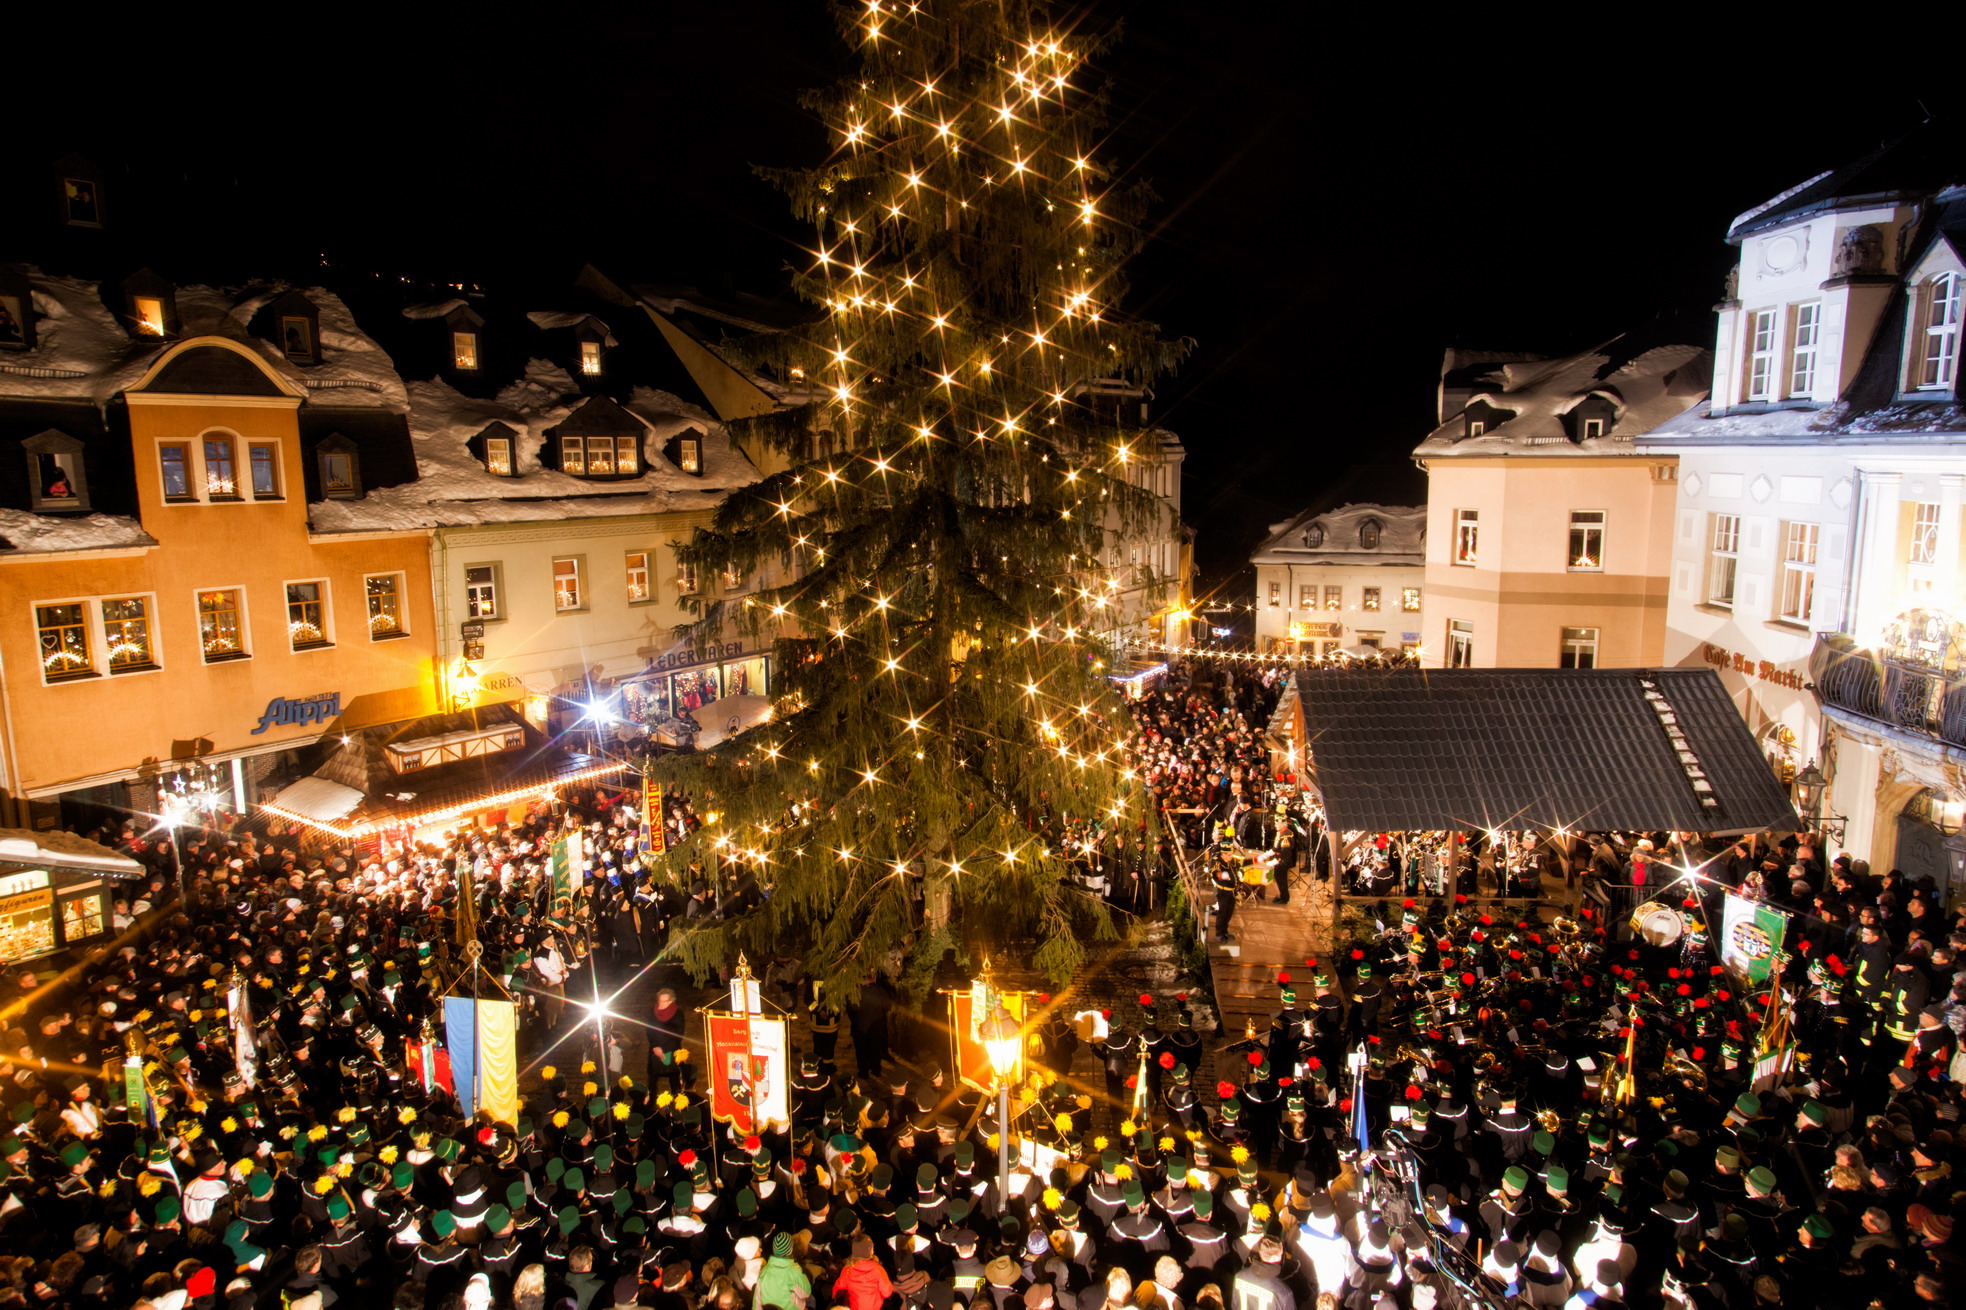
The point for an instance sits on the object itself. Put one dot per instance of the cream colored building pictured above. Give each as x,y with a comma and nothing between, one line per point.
1348,578
1549,533
1819,557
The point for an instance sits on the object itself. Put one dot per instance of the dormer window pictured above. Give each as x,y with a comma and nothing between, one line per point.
56,479
498,456
150,304
600,457
297,339
689,455
1936,362
1313,537
590,358
292,323
464,351
340,467
16,311
79,189
1593,427
1477,427
1368,535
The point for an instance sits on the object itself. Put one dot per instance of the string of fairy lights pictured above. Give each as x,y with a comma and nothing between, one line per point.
930,345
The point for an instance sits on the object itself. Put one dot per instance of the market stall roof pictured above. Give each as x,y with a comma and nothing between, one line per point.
362,786
66,850
1594,750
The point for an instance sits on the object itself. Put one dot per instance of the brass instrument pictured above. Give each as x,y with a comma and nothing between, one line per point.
1695,1074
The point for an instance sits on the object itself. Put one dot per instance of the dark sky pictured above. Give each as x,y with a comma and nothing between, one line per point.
1341,197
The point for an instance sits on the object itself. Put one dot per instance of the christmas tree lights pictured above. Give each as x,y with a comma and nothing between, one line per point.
940,561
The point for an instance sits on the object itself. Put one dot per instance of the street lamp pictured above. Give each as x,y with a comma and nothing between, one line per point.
1811,788
1002,1040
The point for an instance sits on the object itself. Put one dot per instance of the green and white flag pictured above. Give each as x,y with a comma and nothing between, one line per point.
1750,935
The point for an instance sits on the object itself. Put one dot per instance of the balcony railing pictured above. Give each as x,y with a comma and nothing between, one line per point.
1897,693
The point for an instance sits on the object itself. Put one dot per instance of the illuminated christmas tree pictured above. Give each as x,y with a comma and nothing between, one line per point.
943,546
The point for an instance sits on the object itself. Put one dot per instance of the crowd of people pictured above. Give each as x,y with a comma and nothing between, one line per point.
1579,1111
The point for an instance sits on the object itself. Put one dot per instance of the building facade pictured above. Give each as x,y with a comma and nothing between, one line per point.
1349,578
174,629
1548,531
1817,543
555,482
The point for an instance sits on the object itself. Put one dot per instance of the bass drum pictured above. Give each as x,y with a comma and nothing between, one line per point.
1657,924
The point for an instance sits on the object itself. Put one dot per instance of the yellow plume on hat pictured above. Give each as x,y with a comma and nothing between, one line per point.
1052,1198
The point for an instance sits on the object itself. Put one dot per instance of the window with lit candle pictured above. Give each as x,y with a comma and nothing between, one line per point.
590,357
464,351
126,631
150,315
307,621
221,631
221,478
64,634
385,598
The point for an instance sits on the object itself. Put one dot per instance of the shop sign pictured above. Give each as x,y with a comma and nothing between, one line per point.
710,654
283,713
1766,670
1302,631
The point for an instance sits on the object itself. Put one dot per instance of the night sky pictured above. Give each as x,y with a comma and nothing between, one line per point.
1340,198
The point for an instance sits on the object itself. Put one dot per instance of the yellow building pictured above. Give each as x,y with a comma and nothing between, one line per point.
171,622
1549,536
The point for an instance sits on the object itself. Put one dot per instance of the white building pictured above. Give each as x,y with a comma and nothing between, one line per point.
1343,578
1817,544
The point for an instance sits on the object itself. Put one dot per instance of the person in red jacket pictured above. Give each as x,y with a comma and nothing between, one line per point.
863,1281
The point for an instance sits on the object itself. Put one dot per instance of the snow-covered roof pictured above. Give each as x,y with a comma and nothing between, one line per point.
25,847
25,533
1837,424
1644,385
82,352
1402,537
455,489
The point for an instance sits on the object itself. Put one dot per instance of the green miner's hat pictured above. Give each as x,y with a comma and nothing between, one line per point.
1556,1178
338,1207
1515,1177
443,1223
1763,1177
1818,1227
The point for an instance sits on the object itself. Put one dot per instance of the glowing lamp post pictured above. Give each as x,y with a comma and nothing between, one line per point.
1002,1040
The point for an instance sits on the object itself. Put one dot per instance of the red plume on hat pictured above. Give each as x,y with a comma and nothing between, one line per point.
1225,1090
1146,999
1285,1081
1167,1059
1044,998
1345,1105
1408,903
1255,1058
687,1159
1132,1081
1837,967
1283,978
1314,1063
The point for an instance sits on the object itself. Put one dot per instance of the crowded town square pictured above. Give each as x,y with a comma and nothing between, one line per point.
1475,1101
981,655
